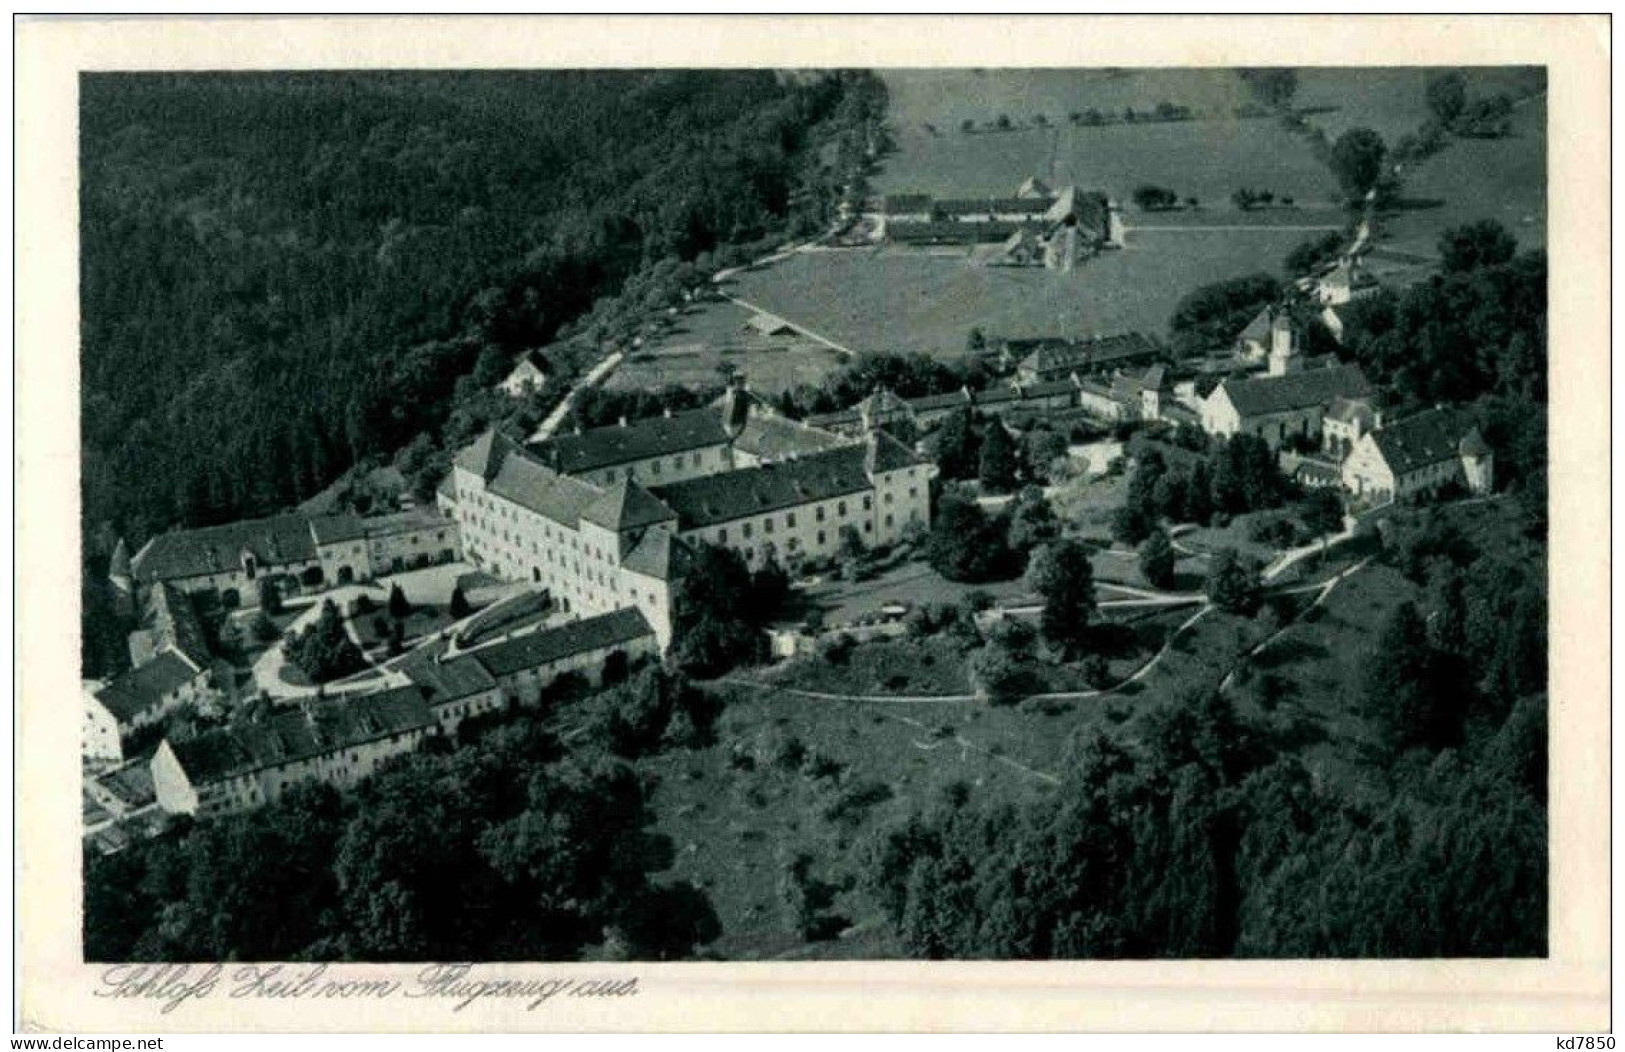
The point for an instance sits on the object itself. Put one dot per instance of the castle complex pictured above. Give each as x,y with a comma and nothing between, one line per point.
605,519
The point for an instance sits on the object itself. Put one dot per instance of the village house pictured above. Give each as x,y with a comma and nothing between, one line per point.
140,698
529,374
1057,358
336,741
1420,454
1347,282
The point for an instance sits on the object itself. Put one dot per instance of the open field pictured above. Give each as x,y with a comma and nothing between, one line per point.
711,334
1392,101
892,300
1473,179
1205,159
945,97
788,775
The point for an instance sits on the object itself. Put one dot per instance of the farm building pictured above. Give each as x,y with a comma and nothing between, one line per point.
1054,358
1420,454
1347,282
768,325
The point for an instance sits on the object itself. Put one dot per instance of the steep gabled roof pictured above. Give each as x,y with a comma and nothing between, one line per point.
143,689
543,490
336,529
1100,352
448,681
486,454
884,453
714,499
553,644
659,554
1427,438
626,506
175,623
273,541
1258,330
656,436
314,729
1262,395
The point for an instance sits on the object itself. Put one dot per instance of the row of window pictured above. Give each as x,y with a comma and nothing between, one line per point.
656,465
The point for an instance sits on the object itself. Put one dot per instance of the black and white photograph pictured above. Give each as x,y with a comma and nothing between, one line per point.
797,514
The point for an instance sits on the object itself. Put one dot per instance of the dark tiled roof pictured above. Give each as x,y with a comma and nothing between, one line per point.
447,681
409,521
658,554
1053,356
314,729
335,529
892,204
1424,439
839,418
1262,395
755,491
1048,388
994,205
950,400
131,783
274,542
485,454
175,623
772,437
948,231
995,394
542,490
626,506
550,645
604,447
144,689
884,453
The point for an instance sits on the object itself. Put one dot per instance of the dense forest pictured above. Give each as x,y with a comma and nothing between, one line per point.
501,849
284,275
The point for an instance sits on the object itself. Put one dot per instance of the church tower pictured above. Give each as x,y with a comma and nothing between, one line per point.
1284,356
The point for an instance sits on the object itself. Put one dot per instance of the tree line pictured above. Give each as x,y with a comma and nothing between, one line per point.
308,268
504,848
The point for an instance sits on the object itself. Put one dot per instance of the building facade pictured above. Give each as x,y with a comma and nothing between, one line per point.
296,553
1420,454
336,741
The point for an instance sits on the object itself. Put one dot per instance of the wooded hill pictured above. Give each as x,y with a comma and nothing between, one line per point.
283,274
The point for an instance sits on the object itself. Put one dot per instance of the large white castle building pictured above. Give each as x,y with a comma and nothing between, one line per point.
605,519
